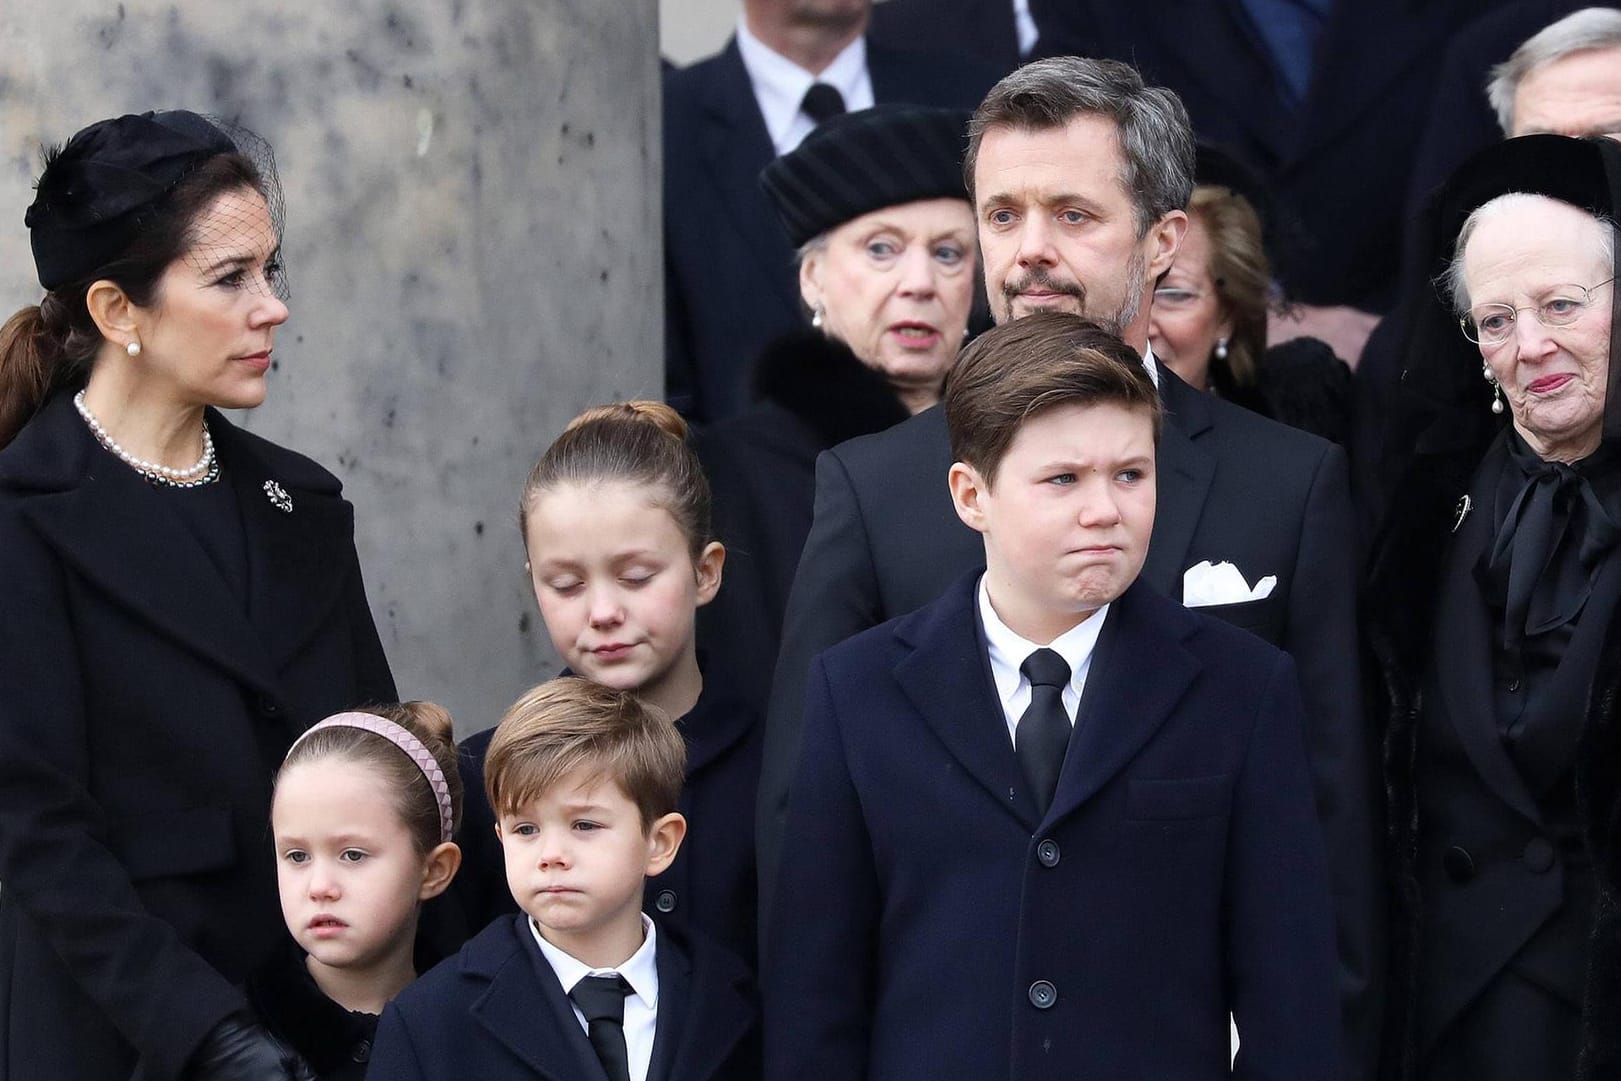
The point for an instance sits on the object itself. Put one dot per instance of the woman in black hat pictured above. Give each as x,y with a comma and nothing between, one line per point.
1494,612
875,203
178,600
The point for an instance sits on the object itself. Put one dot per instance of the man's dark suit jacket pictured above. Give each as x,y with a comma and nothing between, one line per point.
730,286
1231,486
496,1012
933,924
1339,162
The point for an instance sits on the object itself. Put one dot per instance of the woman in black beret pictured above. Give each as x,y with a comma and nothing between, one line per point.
1494,613
875,203
178,600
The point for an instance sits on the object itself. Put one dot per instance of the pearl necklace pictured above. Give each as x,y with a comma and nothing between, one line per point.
205,471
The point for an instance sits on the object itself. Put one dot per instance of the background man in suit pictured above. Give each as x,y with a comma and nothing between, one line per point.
1052,782
1079,175
730,285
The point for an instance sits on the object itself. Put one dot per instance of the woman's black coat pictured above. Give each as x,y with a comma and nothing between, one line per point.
1400,606
811,393
142,716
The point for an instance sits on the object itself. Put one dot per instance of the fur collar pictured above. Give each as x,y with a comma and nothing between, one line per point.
820,381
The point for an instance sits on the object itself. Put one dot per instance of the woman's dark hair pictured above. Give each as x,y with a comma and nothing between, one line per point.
51,344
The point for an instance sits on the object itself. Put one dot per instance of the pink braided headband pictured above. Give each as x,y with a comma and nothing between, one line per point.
402,738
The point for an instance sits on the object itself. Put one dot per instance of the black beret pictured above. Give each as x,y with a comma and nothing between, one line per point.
863,161
88,200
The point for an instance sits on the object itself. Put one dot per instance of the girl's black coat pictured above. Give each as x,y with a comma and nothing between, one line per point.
142,715
1399,611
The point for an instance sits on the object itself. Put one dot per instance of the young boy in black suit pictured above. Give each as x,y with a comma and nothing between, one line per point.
1055,824
580,985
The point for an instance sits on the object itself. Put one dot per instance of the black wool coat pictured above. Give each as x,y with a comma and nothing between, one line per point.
1488,807
143,713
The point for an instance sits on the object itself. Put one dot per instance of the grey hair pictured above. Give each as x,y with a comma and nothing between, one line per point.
1156,139
1589,28
807,249
1451,282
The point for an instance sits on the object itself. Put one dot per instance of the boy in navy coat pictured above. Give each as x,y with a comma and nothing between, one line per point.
580,985
1052,825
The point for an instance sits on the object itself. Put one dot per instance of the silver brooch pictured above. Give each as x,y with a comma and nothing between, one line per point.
279,497
1465,505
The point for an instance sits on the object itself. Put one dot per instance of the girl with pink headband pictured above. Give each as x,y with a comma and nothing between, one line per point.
365,808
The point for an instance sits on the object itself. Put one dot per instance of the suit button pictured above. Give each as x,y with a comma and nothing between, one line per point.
665,901
1047,853
1043,995
268,706
1459,864
362,1051
1538,855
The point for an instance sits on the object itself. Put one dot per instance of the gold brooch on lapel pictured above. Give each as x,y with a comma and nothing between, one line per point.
279,497
1465,505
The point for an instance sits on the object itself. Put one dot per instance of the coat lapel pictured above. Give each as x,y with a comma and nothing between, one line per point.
737,146
946,678
701,1019
1139,673
298,559
1184,476
525,1010
1464,664
117,531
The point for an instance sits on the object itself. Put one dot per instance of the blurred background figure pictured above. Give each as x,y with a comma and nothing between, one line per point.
1209,318
875,204
729,271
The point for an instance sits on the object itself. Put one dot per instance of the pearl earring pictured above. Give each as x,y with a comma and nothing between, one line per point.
133,349
1221,349
1497,389
816,317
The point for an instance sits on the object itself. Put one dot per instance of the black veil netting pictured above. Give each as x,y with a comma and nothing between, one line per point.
101,188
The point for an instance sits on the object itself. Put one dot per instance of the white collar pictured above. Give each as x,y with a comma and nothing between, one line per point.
780,84
641,971
1008,648
1152,365
1024,26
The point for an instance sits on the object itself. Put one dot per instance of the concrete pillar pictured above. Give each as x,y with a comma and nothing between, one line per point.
473,248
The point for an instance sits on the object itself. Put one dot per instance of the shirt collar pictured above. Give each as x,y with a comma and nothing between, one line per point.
1151,364
641,971
780,84
1008,648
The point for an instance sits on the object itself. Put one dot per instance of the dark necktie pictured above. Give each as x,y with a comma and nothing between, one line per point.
602,1000
1042,735
822,102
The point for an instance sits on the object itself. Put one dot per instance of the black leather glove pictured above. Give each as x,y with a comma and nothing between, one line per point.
239,1050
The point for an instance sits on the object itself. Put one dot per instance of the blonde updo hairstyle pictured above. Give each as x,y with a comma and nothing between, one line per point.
635,442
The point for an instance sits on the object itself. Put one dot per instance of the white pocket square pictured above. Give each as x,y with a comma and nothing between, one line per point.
1205,584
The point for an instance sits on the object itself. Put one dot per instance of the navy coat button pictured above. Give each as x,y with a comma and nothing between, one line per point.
665,901
362,1051
268,706
1047,853
1043,995
1538,855
1459,864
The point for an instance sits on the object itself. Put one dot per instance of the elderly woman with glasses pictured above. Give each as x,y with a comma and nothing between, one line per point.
1492,610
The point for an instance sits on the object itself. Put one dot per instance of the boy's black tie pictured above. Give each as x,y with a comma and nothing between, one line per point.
822,102
1042,735
602,1000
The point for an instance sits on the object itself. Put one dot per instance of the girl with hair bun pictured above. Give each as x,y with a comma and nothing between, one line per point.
179,599
366,806
615,522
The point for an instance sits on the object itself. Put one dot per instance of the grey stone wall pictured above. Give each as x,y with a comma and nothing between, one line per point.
473,248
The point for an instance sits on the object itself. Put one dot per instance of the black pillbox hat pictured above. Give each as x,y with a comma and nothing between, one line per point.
863,161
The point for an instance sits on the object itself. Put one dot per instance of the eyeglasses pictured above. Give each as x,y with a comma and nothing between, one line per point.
1493,324
1171,299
